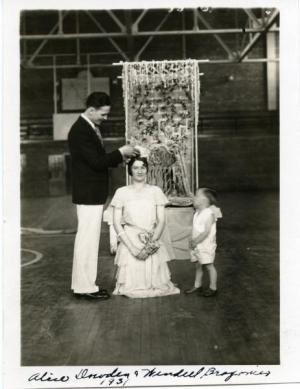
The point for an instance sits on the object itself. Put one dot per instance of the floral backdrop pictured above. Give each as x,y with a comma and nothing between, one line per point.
161,106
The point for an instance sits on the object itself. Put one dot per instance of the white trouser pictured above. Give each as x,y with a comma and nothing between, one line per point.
86,247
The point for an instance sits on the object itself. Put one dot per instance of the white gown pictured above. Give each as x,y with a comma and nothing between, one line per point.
136,278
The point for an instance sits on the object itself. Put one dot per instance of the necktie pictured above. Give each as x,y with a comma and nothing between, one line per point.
98,133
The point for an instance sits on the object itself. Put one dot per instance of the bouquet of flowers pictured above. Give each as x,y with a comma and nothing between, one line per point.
150,246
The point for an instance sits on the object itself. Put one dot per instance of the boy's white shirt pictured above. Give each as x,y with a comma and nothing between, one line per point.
199,225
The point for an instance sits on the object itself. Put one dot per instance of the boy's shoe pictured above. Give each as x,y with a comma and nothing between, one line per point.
194,290
210,293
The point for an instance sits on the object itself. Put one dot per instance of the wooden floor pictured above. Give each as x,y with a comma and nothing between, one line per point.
239,326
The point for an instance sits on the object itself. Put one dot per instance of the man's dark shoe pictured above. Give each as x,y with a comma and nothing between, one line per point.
97,296
93,296
78,295
210,293
102,291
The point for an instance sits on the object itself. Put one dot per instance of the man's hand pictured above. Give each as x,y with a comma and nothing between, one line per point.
129,151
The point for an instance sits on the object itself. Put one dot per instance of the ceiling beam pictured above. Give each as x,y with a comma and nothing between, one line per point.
270,21
204,32
82,35
135,25
116,19
130,40
103,54
145,33
149,40
103,31
251,16
216,36
195,20
41,46
60,22
100,65
183,38
62,55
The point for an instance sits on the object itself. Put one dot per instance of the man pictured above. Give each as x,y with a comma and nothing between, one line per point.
90,165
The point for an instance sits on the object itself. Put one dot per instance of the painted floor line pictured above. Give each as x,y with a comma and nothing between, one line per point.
38,257
41,231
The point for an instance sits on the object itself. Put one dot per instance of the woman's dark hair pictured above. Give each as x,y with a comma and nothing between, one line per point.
132,160
97,100
211,194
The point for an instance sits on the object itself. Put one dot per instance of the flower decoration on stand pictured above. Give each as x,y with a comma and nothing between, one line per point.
161,105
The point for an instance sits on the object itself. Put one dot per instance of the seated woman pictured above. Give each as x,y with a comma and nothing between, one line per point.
139,217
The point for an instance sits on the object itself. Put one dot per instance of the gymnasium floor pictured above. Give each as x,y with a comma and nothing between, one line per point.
239,326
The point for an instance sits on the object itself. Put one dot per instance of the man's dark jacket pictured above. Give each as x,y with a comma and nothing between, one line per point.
90,164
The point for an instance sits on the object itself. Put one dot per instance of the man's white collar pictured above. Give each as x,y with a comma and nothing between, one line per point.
88,120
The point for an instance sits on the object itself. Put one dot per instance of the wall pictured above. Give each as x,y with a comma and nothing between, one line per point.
239,163
225,163
35,174
36,93
37,90
246,92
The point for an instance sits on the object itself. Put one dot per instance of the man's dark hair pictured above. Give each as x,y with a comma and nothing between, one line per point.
132,160
97,100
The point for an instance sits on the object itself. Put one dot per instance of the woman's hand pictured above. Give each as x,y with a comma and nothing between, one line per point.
139,253
154,237
135,251
143,255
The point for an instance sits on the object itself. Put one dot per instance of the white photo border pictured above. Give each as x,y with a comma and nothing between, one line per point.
16,376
